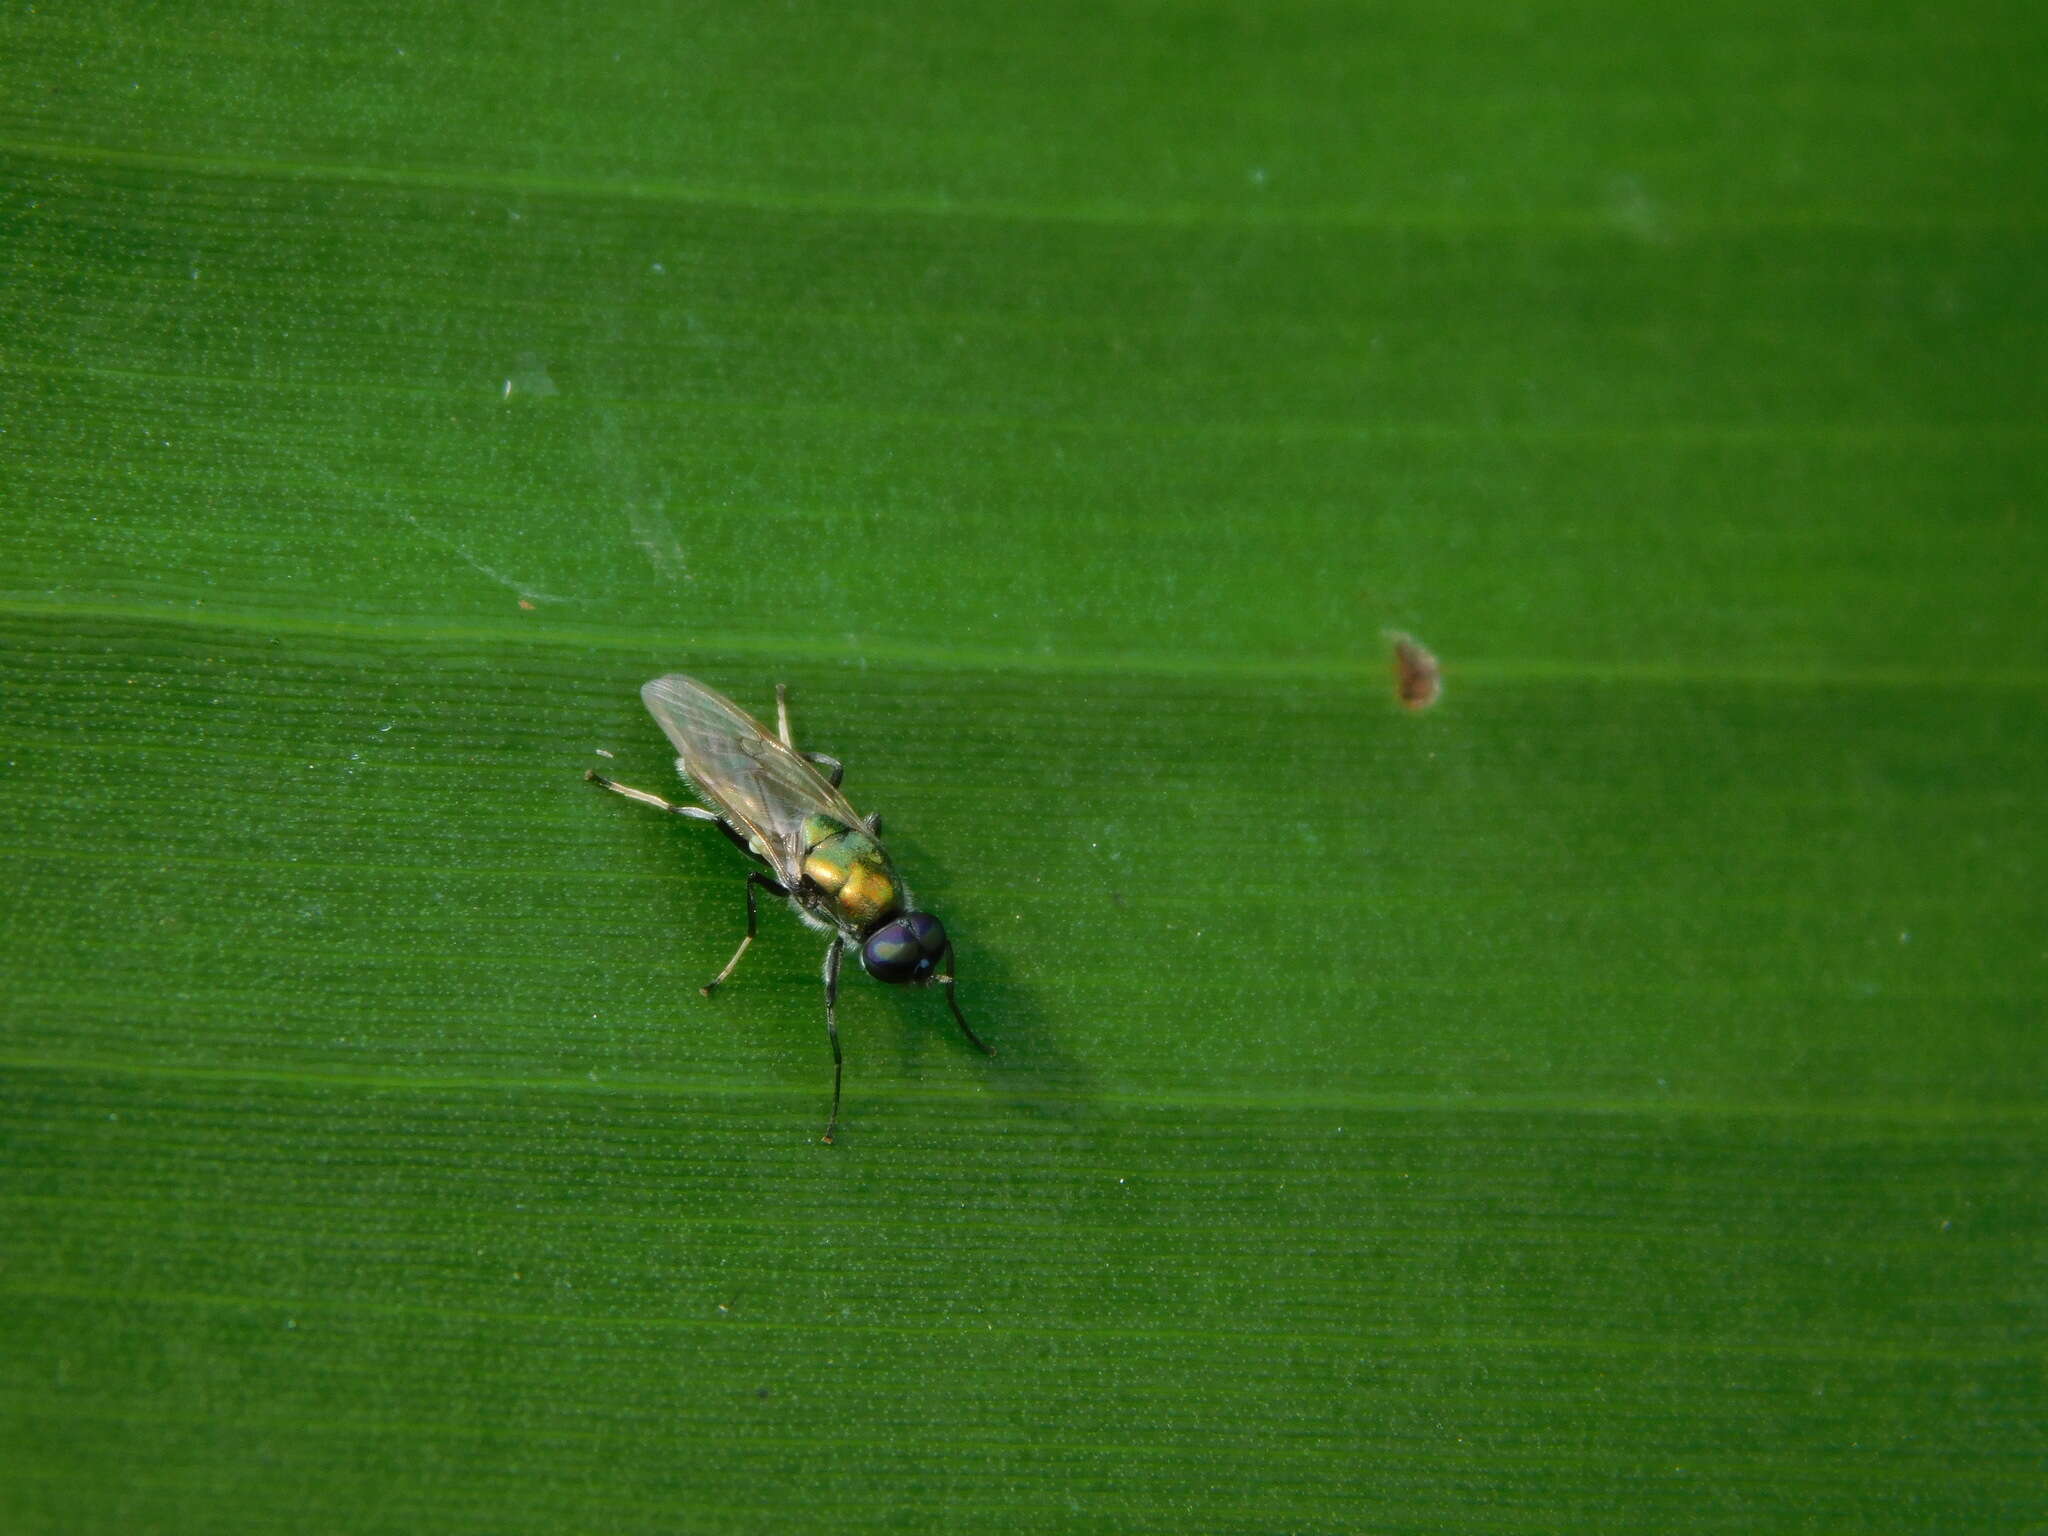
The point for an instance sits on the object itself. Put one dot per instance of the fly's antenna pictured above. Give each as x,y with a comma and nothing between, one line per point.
946,979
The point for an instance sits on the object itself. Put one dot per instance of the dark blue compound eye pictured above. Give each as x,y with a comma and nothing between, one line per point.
929,932
892,953
904,950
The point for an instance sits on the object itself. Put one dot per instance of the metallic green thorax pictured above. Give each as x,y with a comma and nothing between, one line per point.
852,869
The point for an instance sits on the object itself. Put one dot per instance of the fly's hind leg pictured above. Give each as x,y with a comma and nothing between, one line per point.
694,812
834,769
767,885
698,813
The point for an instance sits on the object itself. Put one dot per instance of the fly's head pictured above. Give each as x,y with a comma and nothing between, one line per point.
905,949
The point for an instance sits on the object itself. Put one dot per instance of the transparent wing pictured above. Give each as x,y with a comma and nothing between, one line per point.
744,771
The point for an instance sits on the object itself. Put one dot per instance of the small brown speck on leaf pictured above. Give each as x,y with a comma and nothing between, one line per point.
1418,681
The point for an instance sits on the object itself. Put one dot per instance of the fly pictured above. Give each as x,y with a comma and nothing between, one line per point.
821,855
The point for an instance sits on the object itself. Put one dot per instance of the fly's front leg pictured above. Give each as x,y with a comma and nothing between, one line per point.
752,880
832,956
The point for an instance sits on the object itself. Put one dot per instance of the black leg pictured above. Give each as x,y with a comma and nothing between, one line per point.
694,812
738,839
945,979
875,822
832,1026
752,880
835,769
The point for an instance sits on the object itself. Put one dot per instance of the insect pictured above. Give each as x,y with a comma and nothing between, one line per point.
821,855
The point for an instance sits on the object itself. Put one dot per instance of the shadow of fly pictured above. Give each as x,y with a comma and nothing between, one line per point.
783,809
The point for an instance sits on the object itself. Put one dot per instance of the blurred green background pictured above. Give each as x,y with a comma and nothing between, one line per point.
1610,1101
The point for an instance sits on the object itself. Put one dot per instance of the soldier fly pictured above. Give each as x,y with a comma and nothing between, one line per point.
821,855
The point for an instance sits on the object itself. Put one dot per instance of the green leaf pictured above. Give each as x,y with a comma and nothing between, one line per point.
1610,1100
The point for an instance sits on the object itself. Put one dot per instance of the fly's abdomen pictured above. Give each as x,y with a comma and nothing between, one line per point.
850,867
